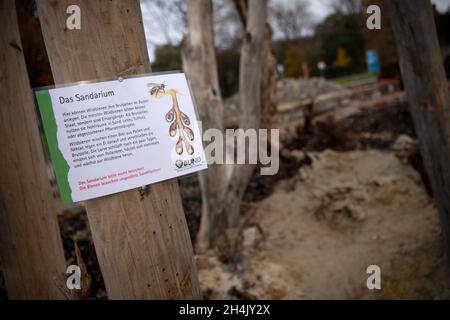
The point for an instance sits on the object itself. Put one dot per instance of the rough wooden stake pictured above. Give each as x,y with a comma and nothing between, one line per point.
427,90
30,244
143,245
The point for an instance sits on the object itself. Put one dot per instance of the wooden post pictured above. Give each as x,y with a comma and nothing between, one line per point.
142,243
305,70
30,245
427,90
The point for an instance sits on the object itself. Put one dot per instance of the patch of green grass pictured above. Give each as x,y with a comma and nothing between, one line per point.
354,79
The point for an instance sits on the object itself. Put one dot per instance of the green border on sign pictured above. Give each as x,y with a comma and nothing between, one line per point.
60,164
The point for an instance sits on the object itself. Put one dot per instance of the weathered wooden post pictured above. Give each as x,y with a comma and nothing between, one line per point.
142,243
427,90
30,244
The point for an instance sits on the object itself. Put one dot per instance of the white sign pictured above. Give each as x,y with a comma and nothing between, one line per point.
113,136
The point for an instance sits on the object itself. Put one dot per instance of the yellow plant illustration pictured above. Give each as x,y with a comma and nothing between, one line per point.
179,121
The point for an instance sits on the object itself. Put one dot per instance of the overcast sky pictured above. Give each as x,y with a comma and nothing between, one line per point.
319,9
442,5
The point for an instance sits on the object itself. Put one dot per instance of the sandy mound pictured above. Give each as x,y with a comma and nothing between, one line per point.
321,229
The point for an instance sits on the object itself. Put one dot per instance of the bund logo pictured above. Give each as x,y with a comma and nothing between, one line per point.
179,164
187,163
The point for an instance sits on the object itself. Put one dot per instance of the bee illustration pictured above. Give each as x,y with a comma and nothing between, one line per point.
157,90
179,121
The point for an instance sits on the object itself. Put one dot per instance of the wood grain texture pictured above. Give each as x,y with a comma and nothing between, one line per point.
30,244
142,244
427,91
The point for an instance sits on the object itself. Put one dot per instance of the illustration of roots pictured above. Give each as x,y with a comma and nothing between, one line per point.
179,121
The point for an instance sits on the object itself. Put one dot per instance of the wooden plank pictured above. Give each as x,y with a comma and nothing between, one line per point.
142,243
427,91
30,242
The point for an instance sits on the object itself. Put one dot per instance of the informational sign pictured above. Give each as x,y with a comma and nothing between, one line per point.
372,60
112,136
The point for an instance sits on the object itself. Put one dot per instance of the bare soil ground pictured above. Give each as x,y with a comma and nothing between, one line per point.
349,195
320,230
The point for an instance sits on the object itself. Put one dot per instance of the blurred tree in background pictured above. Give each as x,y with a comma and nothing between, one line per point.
228,65
383,41
340,39
167,58
293,61
341,44
291,19
343,60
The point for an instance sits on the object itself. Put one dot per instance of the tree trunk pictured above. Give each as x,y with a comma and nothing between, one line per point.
249,102
268,84
427,90
268,69
31,249
142,243
200,65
